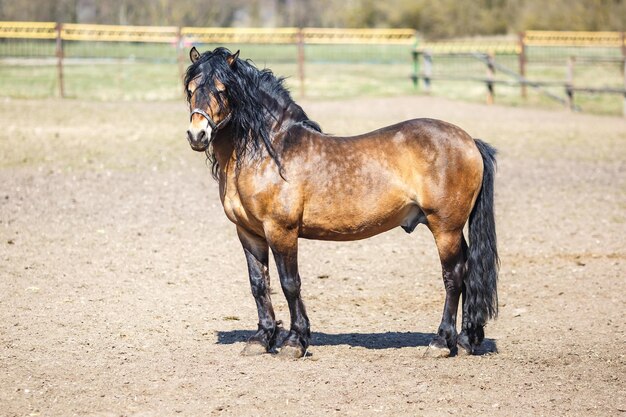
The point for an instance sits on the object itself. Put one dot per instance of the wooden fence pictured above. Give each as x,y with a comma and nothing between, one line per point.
489,52
192,35
486,51
169,34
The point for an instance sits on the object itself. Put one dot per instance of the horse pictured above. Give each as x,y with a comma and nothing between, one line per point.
281,178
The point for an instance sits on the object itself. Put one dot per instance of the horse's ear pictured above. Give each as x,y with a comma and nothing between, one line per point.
194,55
232,59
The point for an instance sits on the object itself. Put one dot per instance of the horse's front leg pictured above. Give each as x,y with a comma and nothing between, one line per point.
284,246
256,251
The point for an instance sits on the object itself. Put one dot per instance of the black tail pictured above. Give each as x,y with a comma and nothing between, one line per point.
481,295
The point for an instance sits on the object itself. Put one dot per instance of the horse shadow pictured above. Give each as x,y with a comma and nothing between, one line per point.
386,340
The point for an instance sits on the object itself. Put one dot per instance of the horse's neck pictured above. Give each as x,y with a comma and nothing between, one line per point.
224,149
281,115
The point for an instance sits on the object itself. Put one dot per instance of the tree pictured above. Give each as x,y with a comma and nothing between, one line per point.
433,18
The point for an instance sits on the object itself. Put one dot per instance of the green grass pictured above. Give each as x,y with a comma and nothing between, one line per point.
28,81
145,81
134,71
165,52
587,73
337,81
123,81
104,81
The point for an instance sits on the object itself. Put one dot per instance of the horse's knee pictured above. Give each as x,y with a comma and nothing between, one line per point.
258,285
453,284
290,286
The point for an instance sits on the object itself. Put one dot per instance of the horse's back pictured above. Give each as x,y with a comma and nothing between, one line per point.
355,187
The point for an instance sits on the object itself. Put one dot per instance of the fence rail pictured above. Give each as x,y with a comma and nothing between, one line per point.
166,34
469,46
111,33
240,35
568,45
564,38
359,36
28,30
528,39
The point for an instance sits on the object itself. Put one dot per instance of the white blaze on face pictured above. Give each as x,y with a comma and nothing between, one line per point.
199,123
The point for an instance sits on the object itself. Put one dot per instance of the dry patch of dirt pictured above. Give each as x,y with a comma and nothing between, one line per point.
123,289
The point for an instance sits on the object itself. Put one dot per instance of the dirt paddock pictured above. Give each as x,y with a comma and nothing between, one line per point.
123,289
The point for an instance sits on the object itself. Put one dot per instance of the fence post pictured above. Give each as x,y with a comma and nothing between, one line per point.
624,70
522,62
624,99
300,41
569,83
491,71
416,67
179,52
59,54
428,71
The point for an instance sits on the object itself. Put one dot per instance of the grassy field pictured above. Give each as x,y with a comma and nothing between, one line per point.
164,52
106,71
116,80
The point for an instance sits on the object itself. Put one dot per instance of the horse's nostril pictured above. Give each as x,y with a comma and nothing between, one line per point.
201,136
189,136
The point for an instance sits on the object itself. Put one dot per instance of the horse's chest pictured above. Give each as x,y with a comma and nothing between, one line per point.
237,213
230,198
233,208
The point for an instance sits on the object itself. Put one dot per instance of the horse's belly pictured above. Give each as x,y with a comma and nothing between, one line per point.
350,223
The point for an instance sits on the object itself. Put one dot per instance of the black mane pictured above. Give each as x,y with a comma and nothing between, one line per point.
259,102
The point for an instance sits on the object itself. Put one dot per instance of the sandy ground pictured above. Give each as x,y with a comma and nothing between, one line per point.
123,289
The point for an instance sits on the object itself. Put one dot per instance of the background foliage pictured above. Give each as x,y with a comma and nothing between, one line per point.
434,19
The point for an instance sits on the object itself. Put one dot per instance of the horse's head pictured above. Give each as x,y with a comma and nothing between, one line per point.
206,82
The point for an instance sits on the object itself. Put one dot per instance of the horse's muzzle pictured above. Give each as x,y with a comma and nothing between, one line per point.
198,140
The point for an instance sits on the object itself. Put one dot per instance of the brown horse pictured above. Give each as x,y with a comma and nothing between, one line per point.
280,179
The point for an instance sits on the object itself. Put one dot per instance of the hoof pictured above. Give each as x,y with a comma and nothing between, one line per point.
461,351
437,352
438,348
291,352
464,346
253,349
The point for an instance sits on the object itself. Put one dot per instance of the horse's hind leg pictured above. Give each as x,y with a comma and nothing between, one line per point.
256,251
452,247
471,334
